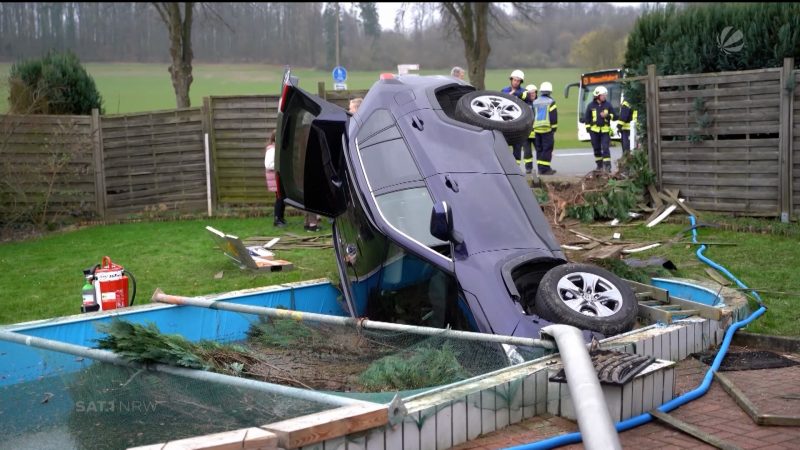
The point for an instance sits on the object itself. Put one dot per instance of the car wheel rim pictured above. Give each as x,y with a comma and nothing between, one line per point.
495,108
589,294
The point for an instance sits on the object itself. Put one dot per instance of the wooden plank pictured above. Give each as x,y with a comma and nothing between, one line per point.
719,77
692,431
785,146
723,117
768,155
715,106
766,168
682,181
773,88
99,172
723,144
328,424
733,193
744,129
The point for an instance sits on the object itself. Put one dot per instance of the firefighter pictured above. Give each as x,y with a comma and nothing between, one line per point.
516,78
626,116
598,117
528,96
545,124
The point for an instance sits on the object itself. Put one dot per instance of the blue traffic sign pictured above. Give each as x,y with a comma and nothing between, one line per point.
339,74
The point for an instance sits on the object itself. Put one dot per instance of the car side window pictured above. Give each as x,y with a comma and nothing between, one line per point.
395,181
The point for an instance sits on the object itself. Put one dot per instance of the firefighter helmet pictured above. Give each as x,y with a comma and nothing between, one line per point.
547,87
530,87
517,74
600,90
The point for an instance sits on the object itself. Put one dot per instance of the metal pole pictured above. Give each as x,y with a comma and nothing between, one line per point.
337,34
160,296
201,375
588,400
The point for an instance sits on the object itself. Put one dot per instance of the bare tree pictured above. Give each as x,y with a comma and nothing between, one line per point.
180,49
473,21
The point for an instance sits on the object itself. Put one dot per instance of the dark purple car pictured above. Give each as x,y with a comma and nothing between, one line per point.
433,222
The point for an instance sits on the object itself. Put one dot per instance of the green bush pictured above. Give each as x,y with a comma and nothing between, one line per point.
397,372
706,38
55,84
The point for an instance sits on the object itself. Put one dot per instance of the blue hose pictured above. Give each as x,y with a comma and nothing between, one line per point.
633,422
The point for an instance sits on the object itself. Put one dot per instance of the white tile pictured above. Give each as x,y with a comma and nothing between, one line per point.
502,403
356,443
647,393
474,416
376,439
658,388
394,437
529,396
488,410
427,434
613,395
636,398
567,409
682,342
459,422
626,399
411,433
334,444
553,398
541,391
517,401
444,427
669,384
674,350
698,337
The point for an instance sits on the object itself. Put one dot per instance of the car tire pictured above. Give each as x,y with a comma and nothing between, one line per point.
494,110
586,297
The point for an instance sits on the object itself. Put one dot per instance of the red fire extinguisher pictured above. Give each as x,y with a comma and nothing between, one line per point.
106,287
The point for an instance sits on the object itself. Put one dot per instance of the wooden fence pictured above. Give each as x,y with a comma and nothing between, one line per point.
725,139
46,167
117,166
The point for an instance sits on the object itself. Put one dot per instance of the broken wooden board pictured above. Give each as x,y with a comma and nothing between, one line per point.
716,276
605,252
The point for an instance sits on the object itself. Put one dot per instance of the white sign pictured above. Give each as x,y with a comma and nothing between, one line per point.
339,86
402,69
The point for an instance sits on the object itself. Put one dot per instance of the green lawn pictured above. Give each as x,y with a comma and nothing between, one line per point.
42,278
129,87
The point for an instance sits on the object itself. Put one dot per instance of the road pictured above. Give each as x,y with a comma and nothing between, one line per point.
579,161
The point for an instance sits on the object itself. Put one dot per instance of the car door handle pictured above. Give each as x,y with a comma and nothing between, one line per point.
451,183
417,123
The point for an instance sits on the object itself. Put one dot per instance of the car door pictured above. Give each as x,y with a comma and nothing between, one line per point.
309,143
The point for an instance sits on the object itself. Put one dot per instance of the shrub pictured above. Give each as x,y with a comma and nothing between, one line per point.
710,38
55,84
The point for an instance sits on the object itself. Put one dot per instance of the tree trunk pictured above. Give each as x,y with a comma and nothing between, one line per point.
180,49
472,23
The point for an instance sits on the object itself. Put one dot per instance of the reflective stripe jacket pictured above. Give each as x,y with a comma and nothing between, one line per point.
594,121
626,115
545,115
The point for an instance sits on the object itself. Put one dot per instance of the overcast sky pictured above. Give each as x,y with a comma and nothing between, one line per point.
388,10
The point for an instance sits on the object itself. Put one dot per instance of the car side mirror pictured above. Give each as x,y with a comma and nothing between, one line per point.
442,223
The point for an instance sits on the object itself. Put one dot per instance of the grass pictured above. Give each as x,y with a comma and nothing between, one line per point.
42,278
761,261
132,87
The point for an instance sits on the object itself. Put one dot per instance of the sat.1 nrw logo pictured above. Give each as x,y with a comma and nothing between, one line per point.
730,42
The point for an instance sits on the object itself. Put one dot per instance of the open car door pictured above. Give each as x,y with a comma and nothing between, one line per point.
309,146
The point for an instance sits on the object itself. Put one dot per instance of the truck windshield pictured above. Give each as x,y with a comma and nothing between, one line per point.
614,95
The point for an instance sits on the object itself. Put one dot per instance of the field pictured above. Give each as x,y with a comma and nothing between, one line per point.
146,87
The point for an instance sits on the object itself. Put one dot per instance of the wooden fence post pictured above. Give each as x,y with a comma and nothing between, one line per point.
99,171
785,142
208,127
653,143
321,90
